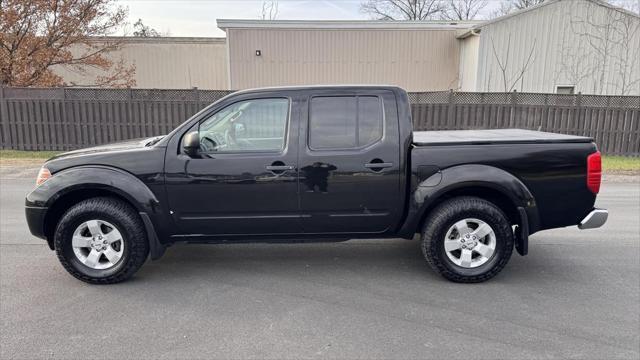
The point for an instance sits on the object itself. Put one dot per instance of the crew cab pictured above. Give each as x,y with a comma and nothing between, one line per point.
317,163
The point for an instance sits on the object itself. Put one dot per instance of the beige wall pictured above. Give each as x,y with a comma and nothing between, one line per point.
169,63
415,59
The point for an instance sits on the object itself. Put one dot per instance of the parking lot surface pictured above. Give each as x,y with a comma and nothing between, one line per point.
576,295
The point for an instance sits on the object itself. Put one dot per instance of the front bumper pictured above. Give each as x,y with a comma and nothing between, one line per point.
595,219
35,220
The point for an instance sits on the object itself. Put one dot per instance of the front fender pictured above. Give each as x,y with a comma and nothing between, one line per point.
427,192
40,202
94,177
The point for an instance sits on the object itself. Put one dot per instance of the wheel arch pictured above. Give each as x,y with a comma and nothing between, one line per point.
487,182
72,197
71,186
482,191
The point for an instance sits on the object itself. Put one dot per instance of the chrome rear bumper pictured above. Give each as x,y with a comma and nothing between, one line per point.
595,219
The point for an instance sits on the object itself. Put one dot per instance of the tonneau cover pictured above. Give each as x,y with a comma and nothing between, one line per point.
494,136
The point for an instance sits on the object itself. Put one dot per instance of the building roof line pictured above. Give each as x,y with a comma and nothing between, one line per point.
549,2
463,34
159,39
225,24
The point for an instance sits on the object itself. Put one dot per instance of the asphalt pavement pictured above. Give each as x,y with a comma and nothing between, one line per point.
576,295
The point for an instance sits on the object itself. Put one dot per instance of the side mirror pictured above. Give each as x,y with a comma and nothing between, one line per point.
191,143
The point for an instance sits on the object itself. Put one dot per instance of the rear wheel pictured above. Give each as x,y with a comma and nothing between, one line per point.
101,241
467,239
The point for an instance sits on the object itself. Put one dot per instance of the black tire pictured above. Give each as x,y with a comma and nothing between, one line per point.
124,218
448,213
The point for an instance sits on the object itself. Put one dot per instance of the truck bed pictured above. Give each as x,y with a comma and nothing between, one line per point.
494,136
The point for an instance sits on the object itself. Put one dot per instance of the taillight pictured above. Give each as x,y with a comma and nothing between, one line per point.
594,172
43,175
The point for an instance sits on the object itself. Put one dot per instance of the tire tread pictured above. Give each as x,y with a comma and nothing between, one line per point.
135,233
442,214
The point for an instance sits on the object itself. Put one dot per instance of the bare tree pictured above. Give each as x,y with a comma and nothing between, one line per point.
511,75
613,42
523,4
600,49
631,5
403,9
628,42
463,9
574,63
269,10
599,38
38,35
142,30
509,6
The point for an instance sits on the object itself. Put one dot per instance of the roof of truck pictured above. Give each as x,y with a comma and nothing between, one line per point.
312,87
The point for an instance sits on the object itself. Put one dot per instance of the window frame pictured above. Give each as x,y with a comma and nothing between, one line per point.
287,126
356,96
566,86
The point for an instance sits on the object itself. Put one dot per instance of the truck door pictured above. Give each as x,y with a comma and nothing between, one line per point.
245,179
349,162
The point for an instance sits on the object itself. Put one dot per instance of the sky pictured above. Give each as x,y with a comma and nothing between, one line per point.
198,17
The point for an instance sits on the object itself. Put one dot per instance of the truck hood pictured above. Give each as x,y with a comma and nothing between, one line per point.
108,148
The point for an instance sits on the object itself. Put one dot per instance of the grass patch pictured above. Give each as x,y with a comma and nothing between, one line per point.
27,155
620,163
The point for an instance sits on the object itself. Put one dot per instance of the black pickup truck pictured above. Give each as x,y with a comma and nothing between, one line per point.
321,163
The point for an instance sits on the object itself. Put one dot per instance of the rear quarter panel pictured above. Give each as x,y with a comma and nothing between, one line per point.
555,174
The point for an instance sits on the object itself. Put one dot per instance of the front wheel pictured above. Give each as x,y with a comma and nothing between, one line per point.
467,239
101,241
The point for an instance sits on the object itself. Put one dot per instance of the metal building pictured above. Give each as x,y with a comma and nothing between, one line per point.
415,55
165,63
565,46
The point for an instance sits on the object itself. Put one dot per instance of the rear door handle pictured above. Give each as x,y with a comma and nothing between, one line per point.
279,167
378,165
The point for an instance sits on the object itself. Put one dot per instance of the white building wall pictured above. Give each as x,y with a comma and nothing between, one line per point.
469,48
570,42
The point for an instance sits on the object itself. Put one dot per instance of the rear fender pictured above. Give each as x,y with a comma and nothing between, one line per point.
430,191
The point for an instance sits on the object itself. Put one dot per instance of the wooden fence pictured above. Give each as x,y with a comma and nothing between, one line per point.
71,118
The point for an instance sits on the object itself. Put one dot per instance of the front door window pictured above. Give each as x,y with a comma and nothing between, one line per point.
257,125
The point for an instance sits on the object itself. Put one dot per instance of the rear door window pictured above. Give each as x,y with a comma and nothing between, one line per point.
344,122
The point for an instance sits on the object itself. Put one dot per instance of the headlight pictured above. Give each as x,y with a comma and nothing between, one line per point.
43,175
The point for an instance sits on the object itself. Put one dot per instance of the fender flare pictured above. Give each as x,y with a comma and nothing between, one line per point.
107,178
96,177
430,191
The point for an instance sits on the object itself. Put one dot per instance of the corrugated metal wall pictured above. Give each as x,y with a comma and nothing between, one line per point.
566,41
415,59
168,63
